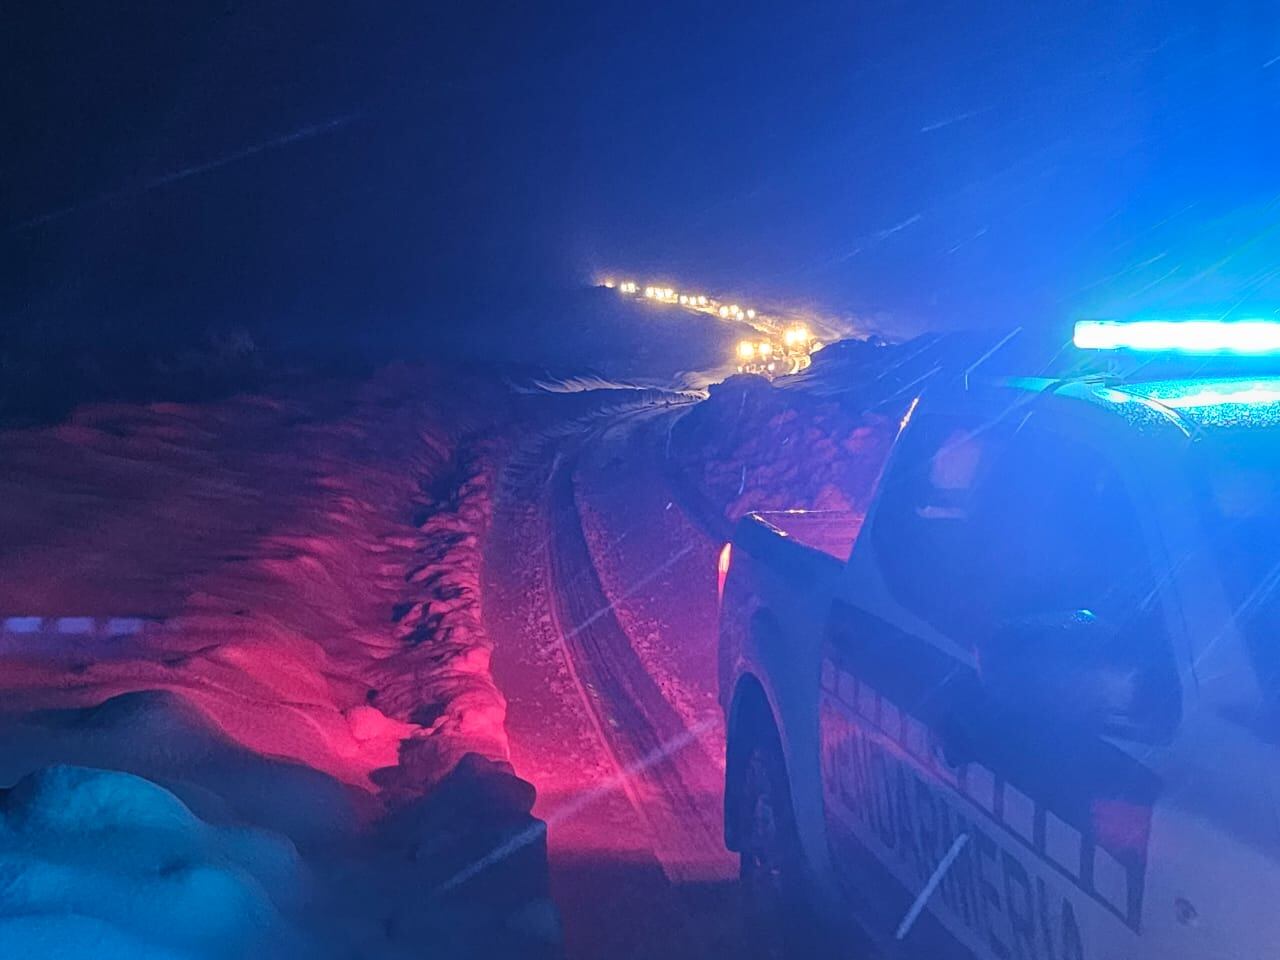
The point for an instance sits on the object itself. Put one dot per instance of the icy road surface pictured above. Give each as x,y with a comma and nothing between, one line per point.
600,599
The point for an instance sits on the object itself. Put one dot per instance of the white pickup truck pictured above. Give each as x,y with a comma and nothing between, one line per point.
1033,715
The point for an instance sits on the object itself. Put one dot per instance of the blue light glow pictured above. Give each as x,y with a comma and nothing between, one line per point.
1198,337
1192,395
1194,403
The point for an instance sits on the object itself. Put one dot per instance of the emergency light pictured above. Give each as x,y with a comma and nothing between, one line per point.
1191,337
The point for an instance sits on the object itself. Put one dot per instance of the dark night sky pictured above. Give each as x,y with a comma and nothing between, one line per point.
318,166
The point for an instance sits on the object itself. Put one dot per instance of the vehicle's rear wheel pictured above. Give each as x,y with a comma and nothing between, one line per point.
779,917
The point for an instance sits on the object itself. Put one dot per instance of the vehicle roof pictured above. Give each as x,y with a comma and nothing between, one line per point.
1197,406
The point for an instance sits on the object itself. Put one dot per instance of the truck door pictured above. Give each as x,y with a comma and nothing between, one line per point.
1002,622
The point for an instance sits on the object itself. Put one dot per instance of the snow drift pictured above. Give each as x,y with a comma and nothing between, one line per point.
757,447
271,542
106,864
308,674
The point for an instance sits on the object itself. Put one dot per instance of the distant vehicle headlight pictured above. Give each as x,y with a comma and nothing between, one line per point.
796,336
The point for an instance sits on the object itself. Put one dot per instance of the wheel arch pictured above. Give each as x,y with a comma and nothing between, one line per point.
750,716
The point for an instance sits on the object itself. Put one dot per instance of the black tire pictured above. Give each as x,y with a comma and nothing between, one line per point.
779,916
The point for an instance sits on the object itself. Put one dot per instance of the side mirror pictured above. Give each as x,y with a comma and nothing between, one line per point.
1069,668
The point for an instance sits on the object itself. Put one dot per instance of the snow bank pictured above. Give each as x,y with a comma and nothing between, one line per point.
106,864
161,736
816,440
439,678
279,542
313,665
753,446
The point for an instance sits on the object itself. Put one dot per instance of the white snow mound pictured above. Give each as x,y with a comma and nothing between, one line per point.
106,864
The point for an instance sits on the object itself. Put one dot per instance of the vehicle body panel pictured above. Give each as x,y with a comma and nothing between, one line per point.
1073,846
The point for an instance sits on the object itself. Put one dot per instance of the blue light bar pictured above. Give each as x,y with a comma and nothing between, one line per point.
1196,337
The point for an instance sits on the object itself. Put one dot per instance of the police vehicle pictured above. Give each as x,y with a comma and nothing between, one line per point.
1035,715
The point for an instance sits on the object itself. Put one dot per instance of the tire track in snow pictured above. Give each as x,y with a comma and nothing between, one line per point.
667,773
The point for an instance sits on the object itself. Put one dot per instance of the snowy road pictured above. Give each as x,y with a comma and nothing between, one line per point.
668,774
603,625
